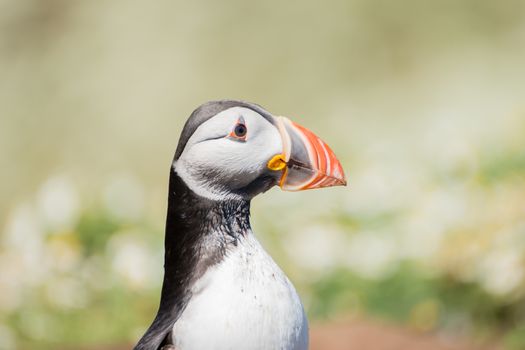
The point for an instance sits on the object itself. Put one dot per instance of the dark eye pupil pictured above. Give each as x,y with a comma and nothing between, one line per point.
240,130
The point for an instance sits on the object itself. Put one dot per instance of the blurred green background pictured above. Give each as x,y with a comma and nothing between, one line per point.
423,101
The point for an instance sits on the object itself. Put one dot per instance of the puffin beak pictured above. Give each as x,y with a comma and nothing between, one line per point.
306,161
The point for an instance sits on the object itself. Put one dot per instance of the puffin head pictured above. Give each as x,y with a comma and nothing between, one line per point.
235,149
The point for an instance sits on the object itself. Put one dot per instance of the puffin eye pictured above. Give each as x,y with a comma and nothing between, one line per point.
239,131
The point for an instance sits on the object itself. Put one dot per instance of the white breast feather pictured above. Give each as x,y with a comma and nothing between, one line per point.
245,302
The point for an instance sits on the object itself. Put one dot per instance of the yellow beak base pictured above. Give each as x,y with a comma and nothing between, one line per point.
277,163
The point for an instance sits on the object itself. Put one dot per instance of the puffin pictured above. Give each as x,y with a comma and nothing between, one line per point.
221,289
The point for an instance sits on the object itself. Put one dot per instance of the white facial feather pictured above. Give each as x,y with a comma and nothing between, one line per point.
212,162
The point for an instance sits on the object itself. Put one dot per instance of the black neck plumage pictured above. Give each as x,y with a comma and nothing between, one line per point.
193,222
199,232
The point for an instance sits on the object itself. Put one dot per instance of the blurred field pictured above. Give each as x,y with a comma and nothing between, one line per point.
365,335
424,103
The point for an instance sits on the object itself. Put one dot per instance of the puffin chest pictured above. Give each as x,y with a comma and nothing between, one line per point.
244,302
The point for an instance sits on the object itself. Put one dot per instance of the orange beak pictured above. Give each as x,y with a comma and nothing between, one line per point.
307,162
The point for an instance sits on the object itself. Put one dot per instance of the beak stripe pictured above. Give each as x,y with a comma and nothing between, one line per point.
317,154
327,157
330,174
318,165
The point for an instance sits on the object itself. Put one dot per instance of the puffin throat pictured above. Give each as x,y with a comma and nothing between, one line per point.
199,233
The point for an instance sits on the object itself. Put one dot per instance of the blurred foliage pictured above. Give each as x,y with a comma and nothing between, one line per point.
414,298
422,101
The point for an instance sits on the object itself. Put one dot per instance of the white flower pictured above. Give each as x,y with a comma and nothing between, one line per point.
501,271
427,223
131,259
371,255
58,203
24,240
66,293
124,197
316,248
11,286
